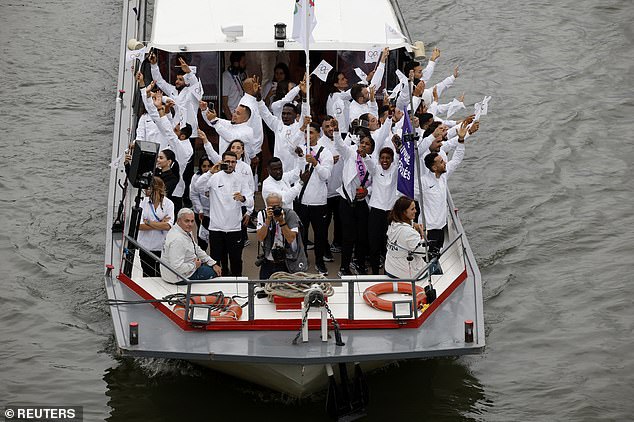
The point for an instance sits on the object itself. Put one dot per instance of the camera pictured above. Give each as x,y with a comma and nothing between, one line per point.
145,180
278,253
259,260
224,166
277,211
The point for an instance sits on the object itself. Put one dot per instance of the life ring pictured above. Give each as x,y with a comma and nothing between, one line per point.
231,310
372,293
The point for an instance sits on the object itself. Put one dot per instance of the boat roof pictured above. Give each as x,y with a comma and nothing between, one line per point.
195,25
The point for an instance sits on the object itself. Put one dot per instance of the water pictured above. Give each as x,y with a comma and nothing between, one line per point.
545,194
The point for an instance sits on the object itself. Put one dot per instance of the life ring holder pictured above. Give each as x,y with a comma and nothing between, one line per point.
372,294
230,309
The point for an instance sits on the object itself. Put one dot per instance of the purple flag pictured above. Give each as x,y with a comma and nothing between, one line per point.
406,157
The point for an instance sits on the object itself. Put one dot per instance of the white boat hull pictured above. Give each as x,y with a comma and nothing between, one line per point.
295,380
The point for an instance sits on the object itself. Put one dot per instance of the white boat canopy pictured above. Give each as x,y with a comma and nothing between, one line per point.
195,25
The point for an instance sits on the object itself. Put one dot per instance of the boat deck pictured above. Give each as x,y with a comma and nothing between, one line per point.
156,288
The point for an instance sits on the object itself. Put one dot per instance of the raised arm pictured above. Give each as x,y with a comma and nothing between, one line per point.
209,149
276,107
431,65
169,89
458,155
271,121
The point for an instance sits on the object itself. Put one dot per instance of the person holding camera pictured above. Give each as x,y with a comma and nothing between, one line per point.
278,230
228,193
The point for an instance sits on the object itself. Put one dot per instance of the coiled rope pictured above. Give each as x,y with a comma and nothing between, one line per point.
283,289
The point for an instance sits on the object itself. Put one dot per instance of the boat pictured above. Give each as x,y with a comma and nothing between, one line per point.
258,346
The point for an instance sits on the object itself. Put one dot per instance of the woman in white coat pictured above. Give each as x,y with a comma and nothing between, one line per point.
157,219
405,244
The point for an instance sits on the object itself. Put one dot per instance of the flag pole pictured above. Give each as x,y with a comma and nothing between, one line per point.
418,166
307,51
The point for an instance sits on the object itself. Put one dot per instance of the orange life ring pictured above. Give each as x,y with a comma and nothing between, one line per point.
232,310
372,293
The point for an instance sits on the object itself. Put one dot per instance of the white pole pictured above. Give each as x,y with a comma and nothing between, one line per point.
307,50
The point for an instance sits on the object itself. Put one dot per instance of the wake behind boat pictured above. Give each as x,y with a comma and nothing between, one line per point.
335,328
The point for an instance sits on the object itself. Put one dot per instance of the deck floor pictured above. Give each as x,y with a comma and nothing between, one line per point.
264,309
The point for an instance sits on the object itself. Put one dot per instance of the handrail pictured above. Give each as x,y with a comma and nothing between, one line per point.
252,282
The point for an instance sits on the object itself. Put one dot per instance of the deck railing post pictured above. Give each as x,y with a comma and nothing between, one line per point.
350,299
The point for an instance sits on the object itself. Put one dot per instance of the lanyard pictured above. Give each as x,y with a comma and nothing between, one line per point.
154,212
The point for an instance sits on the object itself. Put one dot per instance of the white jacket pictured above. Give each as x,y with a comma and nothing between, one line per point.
180,252
402,239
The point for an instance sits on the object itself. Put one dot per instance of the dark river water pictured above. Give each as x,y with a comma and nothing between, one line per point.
545,193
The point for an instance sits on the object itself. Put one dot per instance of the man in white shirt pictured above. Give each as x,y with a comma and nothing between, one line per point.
434,186
417,69
286,184
182,254
313,197
228,192
353,207
334,182
237,128
339,97
187,91
232,90
363,101
255,121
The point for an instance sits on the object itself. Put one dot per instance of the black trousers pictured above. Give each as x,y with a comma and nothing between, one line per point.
377,236
151,267
227,244
178,204
205,223
315,215
270,267
332,214
354,220
436,239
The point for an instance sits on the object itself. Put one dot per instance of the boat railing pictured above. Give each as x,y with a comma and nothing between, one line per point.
452,249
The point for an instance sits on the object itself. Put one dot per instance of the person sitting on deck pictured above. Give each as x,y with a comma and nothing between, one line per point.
181,253
405,241
278,230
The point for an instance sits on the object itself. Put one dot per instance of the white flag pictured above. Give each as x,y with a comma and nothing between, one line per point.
454,106
373,55
322,70
361,74
392,33
482,108
117,161
401,77
299,31
131,55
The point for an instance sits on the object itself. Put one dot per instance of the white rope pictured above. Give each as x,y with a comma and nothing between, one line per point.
291,290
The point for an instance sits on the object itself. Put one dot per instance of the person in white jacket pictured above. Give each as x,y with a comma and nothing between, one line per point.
353,207
237,128
313,196
384,194
405,244
187,91
183,255
434,187
228,193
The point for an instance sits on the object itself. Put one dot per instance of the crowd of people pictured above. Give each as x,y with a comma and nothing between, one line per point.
337,166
